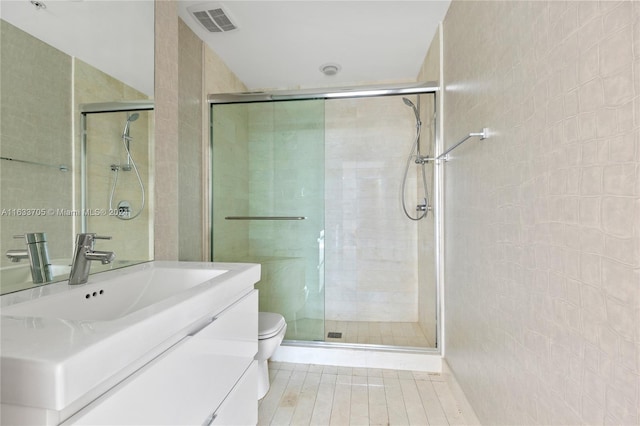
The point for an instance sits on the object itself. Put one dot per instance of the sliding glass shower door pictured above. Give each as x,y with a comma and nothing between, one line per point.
268,204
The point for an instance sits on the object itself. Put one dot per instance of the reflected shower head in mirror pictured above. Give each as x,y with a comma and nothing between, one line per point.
127,139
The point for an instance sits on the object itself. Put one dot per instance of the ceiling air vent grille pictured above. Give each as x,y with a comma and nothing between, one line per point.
213,17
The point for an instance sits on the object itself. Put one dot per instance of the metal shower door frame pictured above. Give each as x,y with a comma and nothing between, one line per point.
362,92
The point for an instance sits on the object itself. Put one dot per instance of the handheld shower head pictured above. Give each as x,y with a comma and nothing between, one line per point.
408,103
126,139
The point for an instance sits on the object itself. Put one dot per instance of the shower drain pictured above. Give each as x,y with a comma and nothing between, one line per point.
334,335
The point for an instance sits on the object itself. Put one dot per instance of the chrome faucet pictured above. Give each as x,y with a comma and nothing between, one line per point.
84,254
38,256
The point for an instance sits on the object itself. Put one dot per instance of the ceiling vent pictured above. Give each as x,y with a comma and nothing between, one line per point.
213,17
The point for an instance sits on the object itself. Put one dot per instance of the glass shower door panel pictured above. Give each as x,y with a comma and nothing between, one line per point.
278,213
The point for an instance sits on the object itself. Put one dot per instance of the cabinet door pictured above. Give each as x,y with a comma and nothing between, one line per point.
188,382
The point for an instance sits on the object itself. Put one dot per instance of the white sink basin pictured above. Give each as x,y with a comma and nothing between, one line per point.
115,298
62,346
18,277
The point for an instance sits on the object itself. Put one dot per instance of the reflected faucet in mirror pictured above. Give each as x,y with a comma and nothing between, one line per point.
83,254
37,253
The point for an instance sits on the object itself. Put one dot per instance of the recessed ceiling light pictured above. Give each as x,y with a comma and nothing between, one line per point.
330,69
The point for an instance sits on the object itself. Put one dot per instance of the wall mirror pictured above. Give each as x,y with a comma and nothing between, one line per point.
69,162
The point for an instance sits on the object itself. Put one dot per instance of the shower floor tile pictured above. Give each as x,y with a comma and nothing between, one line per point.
360,332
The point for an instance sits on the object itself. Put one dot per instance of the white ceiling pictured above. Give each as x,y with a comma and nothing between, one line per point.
114,36
282,44
278,44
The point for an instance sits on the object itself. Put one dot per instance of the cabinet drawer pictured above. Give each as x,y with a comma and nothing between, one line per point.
234,331
234,410
187,383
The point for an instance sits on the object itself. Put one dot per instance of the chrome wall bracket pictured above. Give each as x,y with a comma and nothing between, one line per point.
484,134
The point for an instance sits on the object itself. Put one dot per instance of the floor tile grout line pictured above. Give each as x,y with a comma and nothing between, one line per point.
315,400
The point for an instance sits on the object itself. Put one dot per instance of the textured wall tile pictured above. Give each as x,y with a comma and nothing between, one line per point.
616,51
621,179
190,165
570,289
166,218
618,87
363,178
619,215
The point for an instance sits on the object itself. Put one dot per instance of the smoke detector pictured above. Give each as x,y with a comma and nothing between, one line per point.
213,17
330,69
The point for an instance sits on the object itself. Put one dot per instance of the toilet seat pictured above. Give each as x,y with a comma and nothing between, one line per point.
269,324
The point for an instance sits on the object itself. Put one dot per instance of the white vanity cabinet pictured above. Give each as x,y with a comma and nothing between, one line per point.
160,343
209,377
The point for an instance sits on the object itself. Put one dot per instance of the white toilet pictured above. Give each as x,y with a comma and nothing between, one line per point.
271,329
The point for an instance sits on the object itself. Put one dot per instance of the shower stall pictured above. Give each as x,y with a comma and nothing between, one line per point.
332,193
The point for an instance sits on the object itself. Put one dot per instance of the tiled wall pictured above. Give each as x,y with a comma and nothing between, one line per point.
371,247
190,171
542,220
166,201
36,126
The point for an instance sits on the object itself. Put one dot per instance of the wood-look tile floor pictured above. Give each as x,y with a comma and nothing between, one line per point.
304,394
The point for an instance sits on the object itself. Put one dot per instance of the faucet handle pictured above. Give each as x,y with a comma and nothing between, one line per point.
32,237
86,239
101,237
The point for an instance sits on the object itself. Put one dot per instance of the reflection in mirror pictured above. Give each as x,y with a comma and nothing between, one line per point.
52,61
115,160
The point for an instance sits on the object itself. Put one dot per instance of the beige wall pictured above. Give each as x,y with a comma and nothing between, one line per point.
190,172
186,71
542,220
166,152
